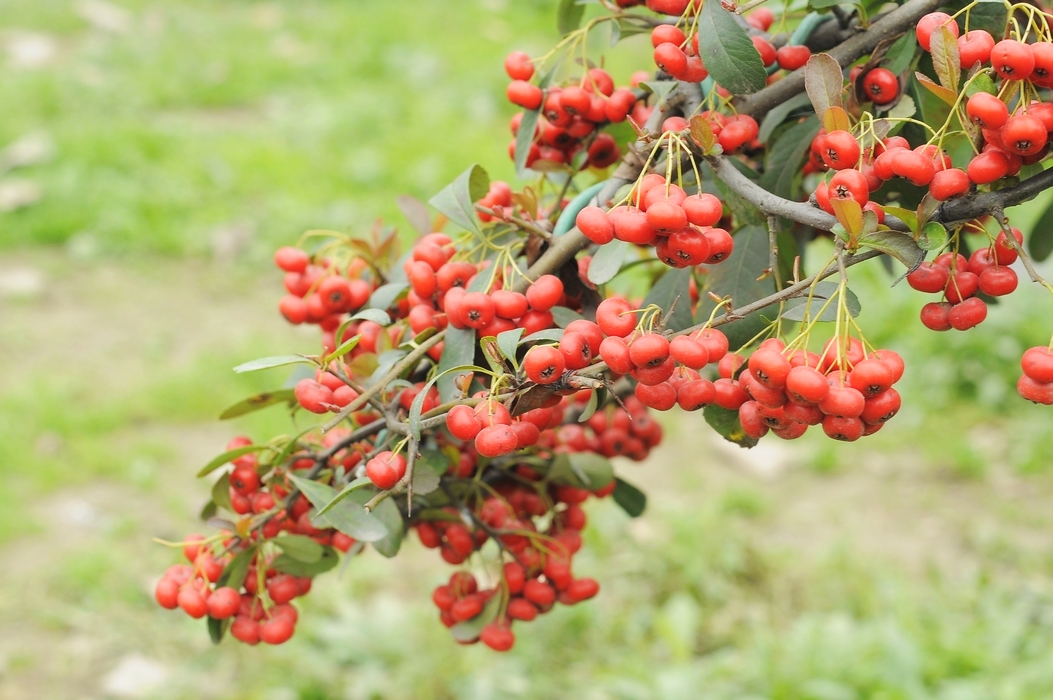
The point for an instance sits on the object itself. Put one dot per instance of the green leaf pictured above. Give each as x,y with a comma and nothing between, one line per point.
904,108
673,286
989,15
564,316
783,164
344,348
387,513
268,362
228,456
631,499
458,350
981,83
901,246
255,403
234,573
737,277
555,334
299,547
727,51
385,295
726,423
607,261
933,236
508,342
377,316
525,138
457,200
1040,241
796,307
221,492
417,407
470,629
591,406
289,565
584,470
359,483
347,517
910,218
777,115
661,88
901,53
569,16
218,628
425,481
823,81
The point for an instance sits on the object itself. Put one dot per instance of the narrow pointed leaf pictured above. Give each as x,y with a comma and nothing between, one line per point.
268,362
255,403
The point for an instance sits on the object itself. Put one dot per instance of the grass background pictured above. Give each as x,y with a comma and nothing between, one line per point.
186,140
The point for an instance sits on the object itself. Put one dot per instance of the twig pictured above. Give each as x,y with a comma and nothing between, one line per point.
521,223
773,250
1029,264
381,384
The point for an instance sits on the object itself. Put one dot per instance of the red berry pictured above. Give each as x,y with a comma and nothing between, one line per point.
947,184
497,636
792,57
670,58
524,94
386,469
1012,59
649,350
929,278
518,66
1037,363
927,24
223,603
844,429
840,150
721,245
544,364
850,184
277,630
192,602
881,86
1036,392
291,259
167,593
967,314
495,441
975,47
595,225
998,280
545,292
988,167
986,110
462,422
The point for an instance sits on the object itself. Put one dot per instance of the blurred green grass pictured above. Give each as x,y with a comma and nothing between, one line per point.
913,566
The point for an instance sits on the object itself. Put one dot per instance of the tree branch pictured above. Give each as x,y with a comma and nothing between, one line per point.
860,44
977,204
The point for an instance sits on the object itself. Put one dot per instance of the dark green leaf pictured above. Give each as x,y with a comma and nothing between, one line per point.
727,51
899,245
288,565
218,628
569,16
1040,242
795,308
777,115
424,481
458,349
989,15
268,362
347,517
607,261
299,547
457,200
221,492
564,316
631,499
385,295
673,287
901,53
824,81
388,514
584,470
590,407
416,212
525,138
255,403
507,342
726,423
229,455
737,277
783,164
981,83
234,573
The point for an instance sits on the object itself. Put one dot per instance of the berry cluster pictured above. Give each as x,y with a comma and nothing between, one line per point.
1036,383
680,227
959,279
538,571
845,389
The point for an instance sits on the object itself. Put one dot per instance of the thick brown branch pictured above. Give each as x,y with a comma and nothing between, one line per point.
977,204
